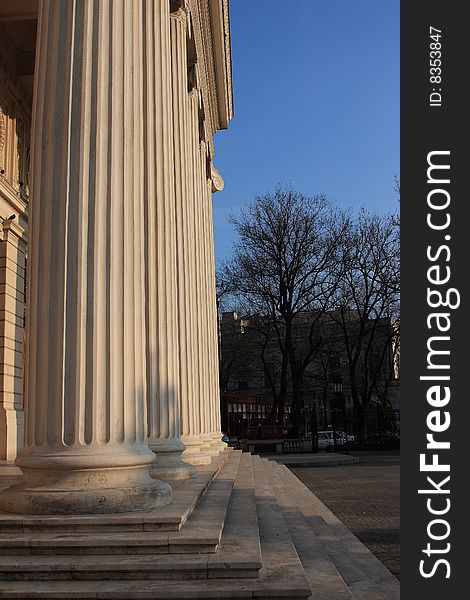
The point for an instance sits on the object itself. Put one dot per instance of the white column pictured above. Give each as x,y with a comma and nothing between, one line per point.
200,322
214,184
86,447
187,307
162,299
206,314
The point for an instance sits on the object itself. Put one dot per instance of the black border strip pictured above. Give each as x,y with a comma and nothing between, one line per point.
424,129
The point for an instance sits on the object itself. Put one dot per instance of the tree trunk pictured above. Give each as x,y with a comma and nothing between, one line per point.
359,418
324,402
296,407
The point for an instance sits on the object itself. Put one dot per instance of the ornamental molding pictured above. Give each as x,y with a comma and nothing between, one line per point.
2,129
179,16
13,227
228,57
201,27
211,29
217,180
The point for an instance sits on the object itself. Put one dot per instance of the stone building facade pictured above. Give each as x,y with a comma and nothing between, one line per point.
107,114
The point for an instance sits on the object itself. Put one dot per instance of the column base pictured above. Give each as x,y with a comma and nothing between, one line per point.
85,491
194,454
208,447
218,443
169,466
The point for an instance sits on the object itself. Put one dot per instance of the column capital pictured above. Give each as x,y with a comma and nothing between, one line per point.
178,10
194,95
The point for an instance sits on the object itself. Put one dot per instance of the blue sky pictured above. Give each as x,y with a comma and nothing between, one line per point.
316,102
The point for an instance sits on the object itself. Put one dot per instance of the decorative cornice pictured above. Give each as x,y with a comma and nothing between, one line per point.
228,57
206,76
210,25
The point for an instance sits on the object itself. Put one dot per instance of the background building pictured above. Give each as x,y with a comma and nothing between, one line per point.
251,362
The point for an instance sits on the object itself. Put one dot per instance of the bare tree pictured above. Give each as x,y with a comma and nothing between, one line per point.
367,304
282,267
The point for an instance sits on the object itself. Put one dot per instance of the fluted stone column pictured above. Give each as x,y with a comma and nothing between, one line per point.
162,299
205,303
214,184
187,308
86,447
200,323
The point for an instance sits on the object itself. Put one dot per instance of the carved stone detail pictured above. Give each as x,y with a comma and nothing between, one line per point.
228,55
2,129
217,180
178,10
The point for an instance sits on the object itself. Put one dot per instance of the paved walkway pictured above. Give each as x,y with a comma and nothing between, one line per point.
366,497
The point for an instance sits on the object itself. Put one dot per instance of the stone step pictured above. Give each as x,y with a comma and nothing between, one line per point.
365,576
240,543
282,569
201,533
325,581
186,495
207,589
239,555
117,567
254,532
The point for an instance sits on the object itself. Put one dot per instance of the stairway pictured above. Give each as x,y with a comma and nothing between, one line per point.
245,527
